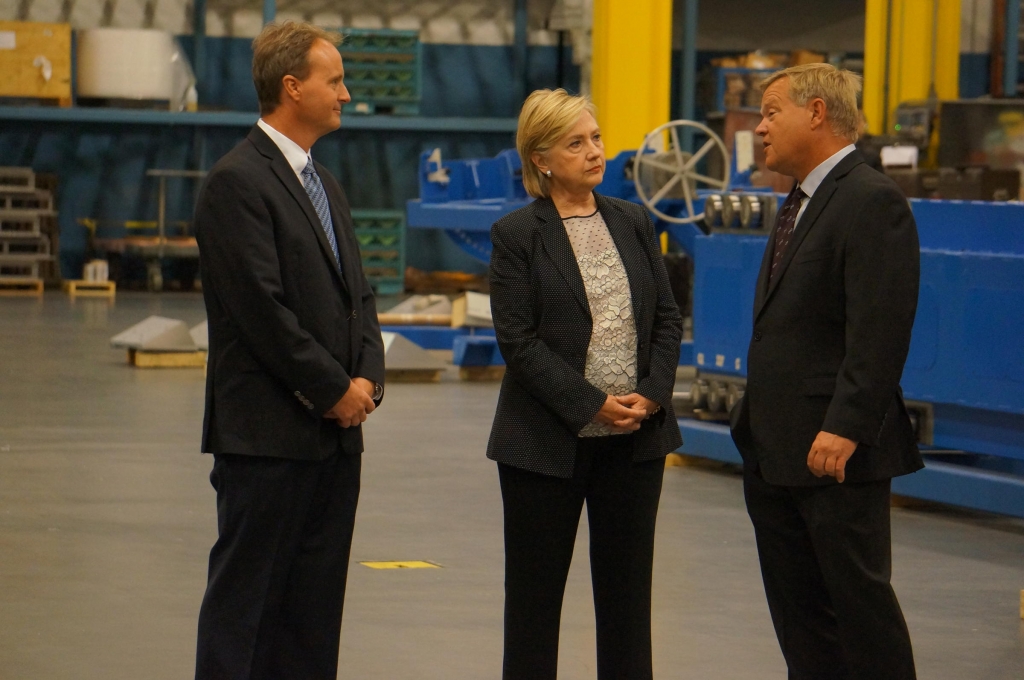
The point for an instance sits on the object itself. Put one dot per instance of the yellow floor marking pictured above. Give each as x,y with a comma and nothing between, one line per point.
407,564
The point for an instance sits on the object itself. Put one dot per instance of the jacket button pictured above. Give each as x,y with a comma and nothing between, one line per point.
757,335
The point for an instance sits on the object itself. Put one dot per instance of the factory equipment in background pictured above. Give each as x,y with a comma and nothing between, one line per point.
972,150
964,379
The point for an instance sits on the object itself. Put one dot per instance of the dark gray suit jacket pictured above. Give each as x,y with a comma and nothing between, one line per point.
287,330
543,325
832,332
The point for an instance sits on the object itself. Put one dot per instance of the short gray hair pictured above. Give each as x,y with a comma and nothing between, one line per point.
838,88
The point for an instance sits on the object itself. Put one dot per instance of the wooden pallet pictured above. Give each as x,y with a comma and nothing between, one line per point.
79,288
711,416
21,287
407,375
481,373
17,179
144,359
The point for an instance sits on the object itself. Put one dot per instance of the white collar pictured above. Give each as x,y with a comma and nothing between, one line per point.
293,153
817,176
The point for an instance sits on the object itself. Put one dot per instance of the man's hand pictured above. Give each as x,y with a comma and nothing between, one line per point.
366,385
618,417
638,401
829,454
353,407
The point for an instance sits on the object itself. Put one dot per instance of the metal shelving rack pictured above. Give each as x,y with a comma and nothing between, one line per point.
245,119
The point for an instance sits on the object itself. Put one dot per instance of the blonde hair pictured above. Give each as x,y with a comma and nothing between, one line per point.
546,117
283,50
837,88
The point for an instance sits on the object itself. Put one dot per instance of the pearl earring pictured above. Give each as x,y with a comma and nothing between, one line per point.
548,173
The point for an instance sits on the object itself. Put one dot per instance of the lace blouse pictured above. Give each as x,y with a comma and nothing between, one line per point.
611,356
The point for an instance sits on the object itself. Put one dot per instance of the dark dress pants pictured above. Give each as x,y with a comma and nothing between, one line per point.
542,515
826,560
277,575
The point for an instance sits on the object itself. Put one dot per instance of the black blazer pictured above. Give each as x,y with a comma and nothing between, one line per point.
543,325
287,329
831,334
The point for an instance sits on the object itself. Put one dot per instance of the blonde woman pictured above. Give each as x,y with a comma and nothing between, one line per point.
590,332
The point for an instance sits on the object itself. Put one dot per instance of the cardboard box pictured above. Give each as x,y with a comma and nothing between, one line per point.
800,57
35,60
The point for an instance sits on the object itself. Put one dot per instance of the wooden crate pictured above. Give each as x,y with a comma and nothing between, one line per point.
79,288
25,50
18,287
143,359
413,375
481,373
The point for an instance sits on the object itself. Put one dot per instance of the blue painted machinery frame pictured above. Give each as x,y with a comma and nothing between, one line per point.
965,373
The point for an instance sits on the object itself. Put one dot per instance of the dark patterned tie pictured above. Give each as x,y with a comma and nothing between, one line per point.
315,188
785,223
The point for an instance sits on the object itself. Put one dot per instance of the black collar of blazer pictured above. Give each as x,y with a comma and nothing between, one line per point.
279,164
816,205
625,235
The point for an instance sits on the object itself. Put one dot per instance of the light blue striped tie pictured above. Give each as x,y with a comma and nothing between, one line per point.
315,188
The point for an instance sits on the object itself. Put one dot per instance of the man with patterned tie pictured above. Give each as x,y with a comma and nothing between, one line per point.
296,364
822,427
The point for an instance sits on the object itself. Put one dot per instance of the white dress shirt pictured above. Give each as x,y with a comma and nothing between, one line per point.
815,177
293,153
297,158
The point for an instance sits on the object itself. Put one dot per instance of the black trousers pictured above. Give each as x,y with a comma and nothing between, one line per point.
542,515
277,575
826,560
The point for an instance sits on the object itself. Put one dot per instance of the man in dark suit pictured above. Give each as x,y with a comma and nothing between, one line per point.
823,427
296,364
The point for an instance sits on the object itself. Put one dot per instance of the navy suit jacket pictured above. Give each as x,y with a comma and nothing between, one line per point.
831,334
288,329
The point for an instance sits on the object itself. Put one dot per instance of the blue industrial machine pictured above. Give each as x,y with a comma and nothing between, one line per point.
964,378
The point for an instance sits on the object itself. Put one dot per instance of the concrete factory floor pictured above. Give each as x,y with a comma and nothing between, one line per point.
106,517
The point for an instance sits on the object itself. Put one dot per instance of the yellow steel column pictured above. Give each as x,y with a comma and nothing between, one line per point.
911,31
631,69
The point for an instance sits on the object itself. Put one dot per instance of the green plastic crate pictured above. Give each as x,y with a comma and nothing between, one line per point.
381,237
383,70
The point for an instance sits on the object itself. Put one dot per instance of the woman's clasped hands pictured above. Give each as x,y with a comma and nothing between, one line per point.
625,413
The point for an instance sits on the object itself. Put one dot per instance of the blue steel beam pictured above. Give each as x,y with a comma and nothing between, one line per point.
269,11
940,482
199,43
519,53
1011,49
688,71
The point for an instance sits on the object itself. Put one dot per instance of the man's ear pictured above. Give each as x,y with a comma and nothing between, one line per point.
818,109
292,87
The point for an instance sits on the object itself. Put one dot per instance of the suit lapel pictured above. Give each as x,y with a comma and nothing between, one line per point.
265,145
762,278
556,243
627,242
341,217
807,222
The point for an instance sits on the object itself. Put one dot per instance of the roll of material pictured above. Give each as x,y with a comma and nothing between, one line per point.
122,63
